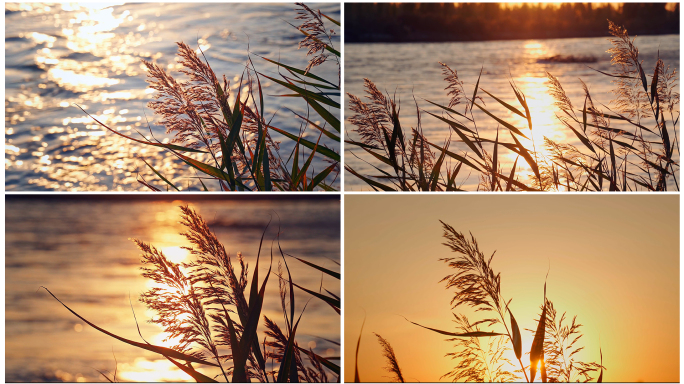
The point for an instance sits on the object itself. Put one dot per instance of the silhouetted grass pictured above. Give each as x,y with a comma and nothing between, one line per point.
236,143
628,147
203,307
480,346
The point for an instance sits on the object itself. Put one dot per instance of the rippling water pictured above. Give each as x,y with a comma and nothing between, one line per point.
409,69
89,54
80,248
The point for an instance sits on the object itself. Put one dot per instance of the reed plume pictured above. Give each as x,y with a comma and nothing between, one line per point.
562,101
622,152
478,286
454,85
178,107
233,140
475,282
372,117
480,354
179,307
476,360
312,24
631,97
202,307
561,347
392,363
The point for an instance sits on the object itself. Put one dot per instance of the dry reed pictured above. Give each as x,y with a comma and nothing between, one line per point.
480,352
627,148
234,142
203,307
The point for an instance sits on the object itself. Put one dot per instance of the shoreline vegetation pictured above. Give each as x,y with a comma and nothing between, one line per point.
235,145
211,310
628,143
436,22
482,346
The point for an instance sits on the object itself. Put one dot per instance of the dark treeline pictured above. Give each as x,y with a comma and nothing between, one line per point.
424,22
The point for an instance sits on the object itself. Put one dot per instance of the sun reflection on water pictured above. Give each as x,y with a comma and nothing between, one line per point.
143,370
542,110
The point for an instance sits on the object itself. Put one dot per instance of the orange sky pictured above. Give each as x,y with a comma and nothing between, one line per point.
614,263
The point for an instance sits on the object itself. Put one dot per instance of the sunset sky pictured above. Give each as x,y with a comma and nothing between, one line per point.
614,262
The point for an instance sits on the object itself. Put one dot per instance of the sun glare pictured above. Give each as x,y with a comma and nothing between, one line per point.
544,121
143,370
175,254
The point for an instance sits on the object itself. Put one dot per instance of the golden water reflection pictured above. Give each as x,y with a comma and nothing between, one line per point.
89,54
144,370
545,124
82,251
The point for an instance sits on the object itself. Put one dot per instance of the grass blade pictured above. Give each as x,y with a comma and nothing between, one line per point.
325,132
306,93
325,362
288,362
159,174
300,72
322,150
537,350
301,176
368,181
505,124
153,348
434,176
324,270
477,85
511,178
169,146
335,304
525,154
463,137
453,124
466,334
448,109
505,104
495,160
517,339
321,176
583,139
457,157
329,18
356,361
200,378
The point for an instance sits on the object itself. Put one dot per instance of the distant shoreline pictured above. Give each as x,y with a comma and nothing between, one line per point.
428,40
453,22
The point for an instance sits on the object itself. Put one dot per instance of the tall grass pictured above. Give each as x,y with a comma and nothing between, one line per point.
630,146
204,308
480,347
235,145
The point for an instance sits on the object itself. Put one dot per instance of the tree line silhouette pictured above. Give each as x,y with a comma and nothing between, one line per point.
431,22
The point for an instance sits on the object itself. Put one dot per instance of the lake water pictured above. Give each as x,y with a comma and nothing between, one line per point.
412,69
89,54
80,248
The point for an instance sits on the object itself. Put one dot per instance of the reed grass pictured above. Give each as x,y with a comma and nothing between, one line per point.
631,146
392,363
204,308
480,347
237,144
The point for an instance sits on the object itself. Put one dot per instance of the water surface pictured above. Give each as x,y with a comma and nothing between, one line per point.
412,69
57,55
81,249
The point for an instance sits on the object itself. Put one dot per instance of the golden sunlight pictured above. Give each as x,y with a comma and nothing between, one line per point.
143,370
175,254
544,121
386,284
